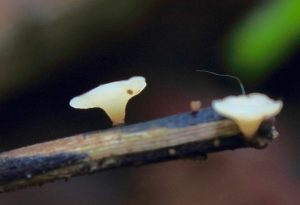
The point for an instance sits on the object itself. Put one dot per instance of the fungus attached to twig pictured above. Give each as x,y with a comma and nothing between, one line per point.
248,111
111,97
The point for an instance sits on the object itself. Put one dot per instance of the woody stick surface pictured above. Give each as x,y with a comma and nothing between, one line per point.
178,136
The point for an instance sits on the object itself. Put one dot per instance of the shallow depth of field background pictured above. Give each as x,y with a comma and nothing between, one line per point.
51,51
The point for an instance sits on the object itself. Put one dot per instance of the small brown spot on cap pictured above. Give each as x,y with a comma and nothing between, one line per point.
130,92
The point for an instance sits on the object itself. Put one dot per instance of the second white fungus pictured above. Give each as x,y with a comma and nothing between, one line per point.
248,111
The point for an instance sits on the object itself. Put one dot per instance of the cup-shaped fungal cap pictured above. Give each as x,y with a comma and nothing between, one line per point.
111,97
248,111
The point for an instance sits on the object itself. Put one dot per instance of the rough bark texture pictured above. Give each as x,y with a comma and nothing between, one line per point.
191,134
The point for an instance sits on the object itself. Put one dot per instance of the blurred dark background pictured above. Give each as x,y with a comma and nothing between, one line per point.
51,51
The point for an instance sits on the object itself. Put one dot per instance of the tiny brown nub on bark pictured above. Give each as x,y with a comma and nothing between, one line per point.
195,105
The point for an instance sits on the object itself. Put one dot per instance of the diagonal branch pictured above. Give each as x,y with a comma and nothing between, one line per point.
191,134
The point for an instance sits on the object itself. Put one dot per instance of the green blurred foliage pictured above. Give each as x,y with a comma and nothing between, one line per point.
265,39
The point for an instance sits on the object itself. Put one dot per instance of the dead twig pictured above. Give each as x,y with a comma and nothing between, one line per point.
191,134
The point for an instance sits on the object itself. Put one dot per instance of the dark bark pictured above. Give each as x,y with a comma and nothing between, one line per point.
186,135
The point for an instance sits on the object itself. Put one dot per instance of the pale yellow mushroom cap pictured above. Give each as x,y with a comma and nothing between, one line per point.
248,111
111,97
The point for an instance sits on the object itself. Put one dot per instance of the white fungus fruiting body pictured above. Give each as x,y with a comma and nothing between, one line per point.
111,97
248,111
